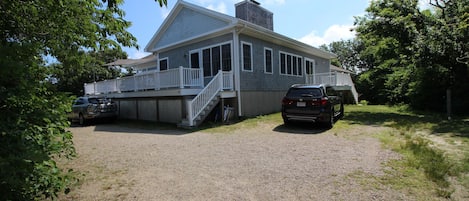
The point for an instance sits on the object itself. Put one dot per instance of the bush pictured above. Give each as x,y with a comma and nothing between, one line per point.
32,135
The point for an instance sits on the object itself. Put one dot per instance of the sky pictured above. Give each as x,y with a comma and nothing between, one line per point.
314,22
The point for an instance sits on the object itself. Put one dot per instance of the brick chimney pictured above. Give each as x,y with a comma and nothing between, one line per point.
251,11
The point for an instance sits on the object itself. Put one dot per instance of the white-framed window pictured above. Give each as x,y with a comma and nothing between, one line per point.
290,64
163,63
246,52
309,66
268,60
212,58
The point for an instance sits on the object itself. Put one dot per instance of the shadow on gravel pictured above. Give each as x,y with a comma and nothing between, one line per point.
458,126
140,127
302,128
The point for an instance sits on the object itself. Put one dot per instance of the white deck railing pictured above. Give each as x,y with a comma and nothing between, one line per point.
333,78
221,81
173,78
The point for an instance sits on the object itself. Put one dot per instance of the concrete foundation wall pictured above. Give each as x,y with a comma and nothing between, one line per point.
256,103
170,111
127,109
151,109
147,110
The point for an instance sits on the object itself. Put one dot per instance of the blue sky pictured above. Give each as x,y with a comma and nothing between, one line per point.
314,22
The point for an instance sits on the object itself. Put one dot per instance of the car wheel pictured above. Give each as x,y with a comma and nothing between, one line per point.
341,115
81,119
330,122
286,122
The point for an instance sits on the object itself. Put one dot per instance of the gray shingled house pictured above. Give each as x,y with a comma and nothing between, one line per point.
202,59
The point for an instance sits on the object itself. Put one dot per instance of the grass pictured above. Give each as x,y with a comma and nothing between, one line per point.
425,167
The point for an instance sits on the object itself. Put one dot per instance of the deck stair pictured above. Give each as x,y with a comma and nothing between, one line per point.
202,115
200,106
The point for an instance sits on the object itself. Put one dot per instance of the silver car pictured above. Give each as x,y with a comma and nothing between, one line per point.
88,108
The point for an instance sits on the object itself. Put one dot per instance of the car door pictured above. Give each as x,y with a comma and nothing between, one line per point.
77,107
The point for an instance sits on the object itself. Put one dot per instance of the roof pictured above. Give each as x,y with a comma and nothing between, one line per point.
131,62
241,26
340,69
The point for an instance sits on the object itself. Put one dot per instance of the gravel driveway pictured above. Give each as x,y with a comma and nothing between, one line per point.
268,162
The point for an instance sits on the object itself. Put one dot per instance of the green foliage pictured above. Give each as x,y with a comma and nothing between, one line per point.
85,67
32,132
33,113
415,55
348,54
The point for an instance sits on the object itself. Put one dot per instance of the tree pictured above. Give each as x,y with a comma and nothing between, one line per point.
444,54
86,67
33,122
348,54
415,55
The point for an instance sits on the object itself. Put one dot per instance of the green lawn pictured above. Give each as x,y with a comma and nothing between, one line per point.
435,151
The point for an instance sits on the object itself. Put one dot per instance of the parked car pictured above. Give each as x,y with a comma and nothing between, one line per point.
88,108
315,103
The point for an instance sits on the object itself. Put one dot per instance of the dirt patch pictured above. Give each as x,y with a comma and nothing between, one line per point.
268,162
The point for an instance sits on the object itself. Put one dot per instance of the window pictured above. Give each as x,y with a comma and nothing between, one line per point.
226,57
206,62
247,56
300,69
331,91
164,64
268,60
282,64
309,65
290,64
195,60
213,59
216,60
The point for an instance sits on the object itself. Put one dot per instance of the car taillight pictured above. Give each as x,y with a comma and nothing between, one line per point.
324,100
286,101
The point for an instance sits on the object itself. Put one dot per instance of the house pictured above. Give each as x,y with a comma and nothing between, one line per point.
202,59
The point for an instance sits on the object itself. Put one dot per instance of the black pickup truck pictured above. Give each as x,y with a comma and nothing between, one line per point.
316,103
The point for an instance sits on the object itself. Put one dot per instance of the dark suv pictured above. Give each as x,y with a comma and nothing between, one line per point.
316,103
87,108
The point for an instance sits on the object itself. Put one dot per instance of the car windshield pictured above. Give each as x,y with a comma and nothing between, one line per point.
304,92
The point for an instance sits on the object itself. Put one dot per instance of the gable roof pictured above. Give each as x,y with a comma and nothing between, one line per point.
182,6
231,23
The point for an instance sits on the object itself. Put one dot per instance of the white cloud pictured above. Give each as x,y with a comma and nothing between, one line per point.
333,33
137,54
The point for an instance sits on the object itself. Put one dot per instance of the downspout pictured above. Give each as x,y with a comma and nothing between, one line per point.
237,68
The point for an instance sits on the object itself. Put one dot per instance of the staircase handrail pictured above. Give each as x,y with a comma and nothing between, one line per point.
197,105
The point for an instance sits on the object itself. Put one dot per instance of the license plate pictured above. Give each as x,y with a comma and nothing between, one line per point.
300,104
